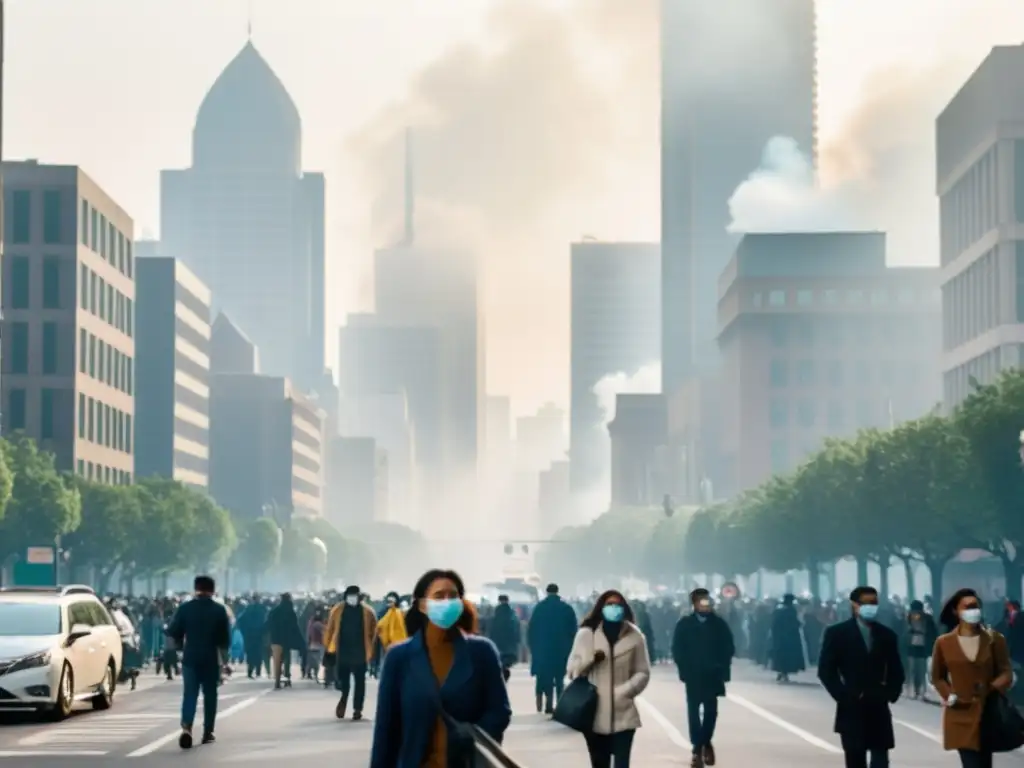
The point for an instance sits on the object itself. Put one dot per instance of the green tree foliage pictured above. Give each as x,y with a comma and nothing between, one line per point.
42,505
259,548
111,519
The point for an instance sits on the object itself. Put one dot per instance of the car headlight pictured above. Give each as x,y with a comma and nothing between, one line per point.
31,662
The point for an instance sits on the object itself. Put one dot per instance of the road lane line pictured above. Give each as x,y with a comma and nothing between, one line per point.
666,725
919,731
50,753
785,725
153,746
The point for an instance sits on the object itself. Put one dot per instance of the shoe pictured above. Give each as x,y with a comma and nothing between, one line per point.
709,755
339,711
357,715
277,685
540,703
697,761
209,738
185,740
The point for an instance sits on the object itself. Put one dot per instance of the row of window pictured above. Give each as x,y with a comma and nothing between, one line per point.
808,413
831,297
971,207
102,237
912,330
18,217
103,474
103,424
17,412
21,282
105,363
102,299
806,373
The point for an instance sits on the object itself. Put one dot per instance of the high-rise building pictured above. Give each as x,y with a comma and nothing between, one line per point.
615,329
266,446
819,338
980,182
172,365
231,351
733,75
540,438
249,221
357,491
68,319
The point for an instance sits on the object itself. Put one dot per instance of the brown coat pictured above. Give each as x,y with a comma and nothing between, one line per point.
332,629
971,681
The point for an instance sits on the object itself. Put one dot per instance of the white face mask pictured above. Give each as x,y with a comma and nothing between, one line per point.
352,599
971,615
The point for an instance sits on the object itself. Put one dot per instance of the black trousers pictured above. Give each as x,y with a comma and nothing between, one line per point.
603,747
971,759
343,677
856,755
702,724
548,686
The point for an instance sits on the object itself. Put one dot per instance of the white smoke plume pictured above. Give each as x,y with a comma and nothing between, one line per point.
645,381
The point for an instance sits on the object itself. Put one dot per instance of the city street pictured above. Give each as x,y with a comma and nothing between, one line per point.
761,723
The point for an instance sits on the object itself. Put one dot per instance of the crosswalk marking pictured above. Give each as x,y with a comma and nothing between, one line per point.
93,738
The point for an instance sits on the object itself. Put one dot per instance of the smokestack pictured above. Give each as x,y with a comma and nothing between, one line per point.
410,191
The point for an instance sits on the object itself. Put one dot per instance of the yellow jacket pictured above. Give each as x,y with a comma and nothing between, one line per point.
332,629
391,627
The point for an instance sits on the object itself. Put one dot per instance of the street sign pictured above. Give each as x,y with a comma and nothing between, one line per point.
730,591
40,556
37,569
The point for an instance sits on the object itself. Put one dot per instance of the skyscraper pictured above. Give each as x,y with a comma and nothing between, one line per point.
249,221
733,75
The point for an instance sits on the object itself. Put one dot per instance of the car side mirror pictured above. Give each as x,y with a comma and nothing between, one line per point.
78,631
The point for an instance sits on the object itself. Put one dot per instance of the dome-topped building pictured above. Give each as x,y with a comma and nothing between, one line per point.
248,119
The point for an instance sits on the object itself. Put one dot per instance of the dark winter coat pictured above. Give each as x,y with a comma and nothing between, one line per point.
787,647
703,651
283,627
550,635
506,634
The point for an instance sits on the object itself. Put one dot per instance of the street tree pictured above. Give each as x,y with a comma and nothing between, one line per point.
259,549
111,517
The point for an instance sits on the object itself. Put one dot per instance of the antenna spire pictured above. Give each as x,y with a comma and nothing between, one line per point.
410,190
248,26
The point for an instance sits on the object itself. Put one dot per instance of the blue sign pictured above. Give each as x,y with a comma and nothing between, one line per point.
38,568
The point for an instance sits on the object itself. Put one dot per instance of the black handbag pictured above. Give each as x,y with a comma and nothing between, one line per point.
1002,725
577,706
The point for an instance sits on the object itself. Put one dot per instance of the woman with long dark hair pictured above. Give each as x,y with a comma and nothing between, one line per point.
438,683
969,663
611,651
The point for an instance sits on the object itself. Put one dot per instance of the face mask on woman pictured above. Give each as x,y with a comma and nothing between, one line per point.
613,613
444,614
970,615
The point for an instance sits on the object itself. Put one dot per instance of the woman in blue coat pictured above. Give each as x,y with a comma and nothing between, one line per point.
438,684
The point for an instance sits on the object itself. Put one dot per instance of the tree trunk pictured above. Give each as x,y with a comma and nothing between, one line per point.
862,571
883,576
909,567
814,580
936,569
1013,571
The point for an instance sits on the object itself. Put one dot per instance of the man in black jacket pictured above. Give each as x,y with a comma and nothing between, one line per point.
202,628
860,667
702,648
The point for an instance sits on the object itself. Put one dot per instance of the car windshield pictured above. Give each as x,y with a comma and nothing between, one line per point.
29,619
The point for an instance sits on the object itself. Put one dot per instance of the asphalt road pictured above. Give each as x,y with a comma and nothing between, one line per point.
761,723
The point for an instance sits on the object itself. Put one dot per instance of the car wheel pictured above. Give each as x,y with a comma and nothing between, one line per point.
105,698
65,698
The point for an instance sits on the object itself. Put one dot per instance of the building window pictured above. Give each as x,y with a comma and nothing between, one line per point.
92,292
778,413
81,467
16,409
103,236
129,318
100,415
51,282
21,290
21,217
779,329
51,217
83,286
757,300
129,261
120,251
780,456
46,420
779,373
49,348
19,348
110,304
84,223
830,297
805,373
103,298
81,415
777,298
855,297
112,244
92,355
835,415
805,413
128,433
83,349
91,426
835,373
94,229
804,298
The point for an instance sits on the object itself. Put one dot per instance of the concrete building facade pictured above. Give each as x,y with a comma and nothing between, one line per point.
819,338
638,436
718,111
68,374
615,328
980,183
266,446
173,372
231,351
357,482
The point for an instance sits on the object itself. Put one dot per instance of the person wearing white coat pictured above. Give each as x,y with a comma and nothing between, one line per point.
611,652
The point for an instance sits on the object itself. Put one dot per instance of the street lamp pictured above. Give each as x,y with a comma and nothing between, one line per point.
1020,452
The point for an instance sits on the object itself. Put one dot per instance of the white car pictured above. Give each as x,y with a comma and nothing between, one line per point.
58,646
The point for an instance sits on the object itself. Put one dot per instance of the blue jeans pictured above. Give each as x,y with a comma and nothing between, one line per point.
195,679
702,729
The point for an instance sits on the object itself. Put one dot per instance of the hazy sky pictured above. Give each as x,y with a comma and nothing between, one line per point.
545,121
